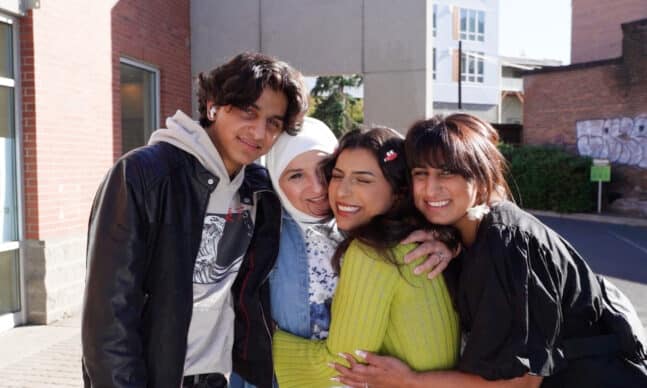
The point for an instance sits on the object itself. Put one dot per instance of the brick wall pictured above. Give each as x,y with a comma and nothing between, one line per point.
595,29
71,123
556,99
156,32
67,145
68,135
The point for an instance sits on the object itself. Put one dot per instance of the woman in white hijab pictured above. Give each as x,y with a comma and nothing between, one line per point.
303,281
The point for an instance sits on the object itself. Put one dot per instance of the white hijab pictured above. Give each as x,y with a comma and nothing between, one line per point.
314,135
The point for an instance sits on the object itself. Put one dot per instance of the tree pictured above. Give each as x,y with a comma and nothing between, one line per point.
334,106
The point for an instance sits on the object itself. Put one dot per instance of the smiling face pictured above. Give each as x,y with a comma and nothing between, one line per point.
242,135
358,190
443,197
303,185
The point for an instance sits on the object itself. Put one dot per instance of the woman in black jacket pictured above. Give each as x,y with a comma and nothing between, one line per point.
532,312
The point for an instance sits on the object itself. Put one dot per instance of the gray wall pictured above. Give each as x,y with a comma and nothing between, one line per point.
386,40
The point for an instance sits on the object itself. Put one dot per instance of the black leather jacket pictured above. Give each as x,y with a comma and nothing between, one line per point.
144,234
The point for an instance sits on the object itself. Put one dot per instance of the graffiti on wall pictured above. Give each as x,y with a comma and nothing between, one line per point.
619,139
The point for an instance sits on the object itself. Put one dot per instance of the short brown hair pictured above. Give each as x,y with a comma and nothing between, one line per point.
462,144
241,81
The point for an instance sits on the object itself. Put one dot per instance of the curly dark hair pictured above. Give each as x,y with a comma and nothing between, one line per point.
386,230
241,81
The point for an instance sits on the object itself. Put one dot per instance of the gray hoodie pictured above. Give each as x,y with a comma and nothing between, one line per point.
227,231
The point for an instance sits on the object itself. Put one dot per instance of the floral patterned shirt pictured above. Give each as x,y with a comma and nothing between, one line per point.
320,245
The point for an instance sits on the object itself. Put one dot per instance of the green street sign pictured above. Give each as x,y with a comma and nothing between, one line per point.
600,173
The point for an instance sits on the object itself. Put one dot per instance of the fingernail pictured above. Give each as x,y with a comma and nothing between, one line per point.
334,379
331,365
342,355
417,270
361,353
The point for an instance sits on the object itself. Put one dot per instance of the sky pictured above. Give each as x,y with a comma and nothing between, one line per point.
538,29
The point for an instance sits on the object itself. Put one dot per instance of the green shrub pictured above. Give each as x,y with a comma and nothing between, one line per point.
546,178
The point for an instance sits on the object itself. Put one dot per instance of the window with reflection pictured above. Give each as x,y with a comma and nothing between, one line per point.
472,67
138,105
472,25
6,55
8,200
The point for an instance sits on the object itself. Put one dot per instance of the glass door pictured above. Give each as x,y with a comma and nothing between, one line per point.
10,268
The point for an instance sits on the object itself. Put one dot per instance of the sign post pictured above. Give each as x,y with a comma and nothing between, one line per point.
600,172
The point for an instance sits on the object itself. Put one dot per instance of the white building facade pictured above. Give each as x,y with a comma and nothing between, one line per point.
475,24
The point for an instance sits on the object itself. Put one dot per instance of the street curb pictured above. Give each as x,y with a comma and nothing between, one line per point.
591,217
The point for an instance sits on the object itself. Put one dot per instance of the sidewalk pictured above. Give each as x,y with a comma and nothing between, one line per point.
42,356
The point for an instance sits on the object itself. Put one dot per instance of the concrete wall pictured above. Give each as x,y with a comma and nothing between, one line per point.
384,40
397,62
596,32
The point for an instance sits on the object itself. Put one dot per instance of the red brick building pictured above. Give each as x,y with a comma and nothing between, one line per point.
598,107
595,27
82,84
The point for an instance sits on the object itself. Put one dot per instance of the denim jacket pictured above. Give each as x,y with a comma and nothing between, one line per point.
290,285
290,281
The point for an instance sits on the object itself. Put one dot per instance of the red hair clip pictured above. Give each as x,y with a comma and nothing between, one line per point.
390,155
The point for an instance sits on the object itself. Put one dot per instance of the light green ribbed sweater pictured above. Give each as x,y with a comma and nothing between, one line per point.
377,309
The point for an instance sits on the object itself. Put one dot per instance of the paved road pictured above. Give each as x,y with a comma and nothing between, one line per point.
618,252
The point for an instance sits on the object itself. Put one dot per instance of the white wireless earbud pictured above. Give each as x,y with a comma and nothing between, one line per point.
212,113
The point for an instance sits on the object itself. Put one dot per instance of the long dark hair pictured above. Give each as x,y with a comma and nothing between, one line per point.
386,230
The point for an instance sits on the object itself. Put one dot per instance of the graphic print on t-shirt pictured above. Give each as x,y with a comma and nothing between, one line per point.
220,257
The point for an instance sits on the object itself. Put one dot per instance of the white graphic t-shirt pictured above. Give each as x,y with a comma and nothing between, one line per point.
225,239
227,229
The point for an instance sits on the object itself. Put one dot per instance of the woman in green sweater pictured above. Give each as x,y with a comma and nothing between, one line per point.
377,306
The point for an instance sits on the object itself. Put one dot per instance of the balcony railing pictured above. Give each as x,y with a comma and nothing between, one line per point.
511,84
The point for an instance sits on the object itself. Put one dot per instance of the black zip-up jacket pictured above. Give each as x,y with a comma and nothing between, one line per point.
144,233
